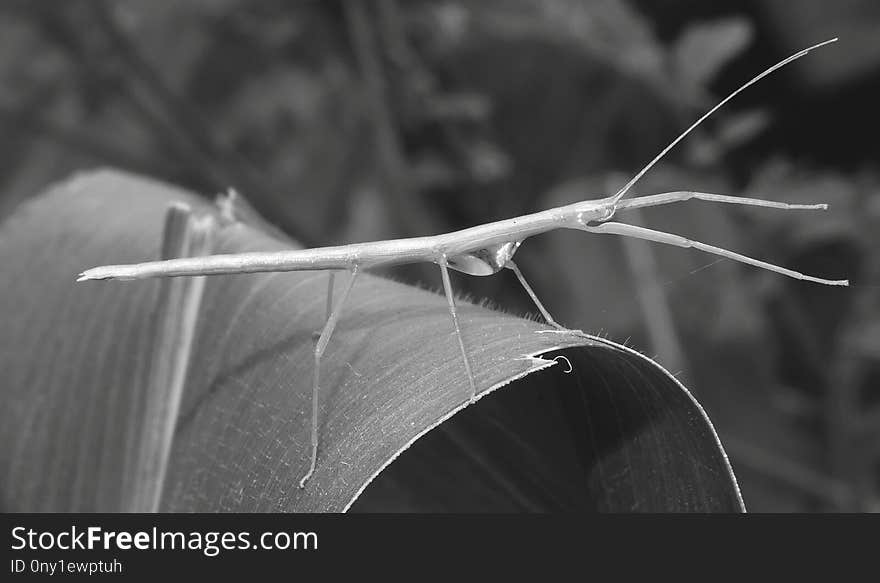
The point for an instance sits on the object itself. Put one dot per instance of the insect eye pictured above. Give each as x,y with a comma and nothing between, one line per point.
607,213
604,214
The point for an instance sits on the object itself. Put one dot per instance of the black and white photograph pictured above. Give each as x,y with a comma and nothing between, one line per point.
435,256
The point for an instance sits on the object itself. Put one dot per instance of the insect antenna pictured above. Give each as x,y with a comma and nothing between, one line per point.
620,193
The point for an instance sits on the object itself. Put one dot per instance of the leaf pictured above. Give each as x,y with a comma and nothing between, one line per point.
618,433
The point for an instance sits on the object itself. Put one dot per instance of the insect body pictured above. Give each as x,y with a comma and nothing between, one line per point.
482,250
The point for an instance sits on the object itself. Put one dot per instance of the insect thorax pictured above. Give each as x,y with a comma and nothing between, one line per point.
485,261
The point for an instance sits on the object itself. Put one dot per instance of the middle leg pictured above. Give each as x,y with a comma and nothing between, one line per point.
450,298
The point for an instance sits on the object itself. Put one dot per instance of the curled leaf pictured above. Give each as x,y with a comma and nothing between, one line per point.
617,433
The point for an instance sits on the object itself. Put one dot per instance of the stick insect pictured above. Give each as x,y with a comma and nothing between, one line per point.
481,251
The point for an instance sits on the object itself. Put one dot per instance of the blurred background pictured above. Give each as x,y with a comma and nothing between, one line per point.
346,121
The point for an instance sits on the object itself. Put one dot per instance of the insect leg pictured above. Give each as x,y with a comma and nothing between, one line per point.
622,192
319,351
514,268
447,286
330,281
683,195
679,241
